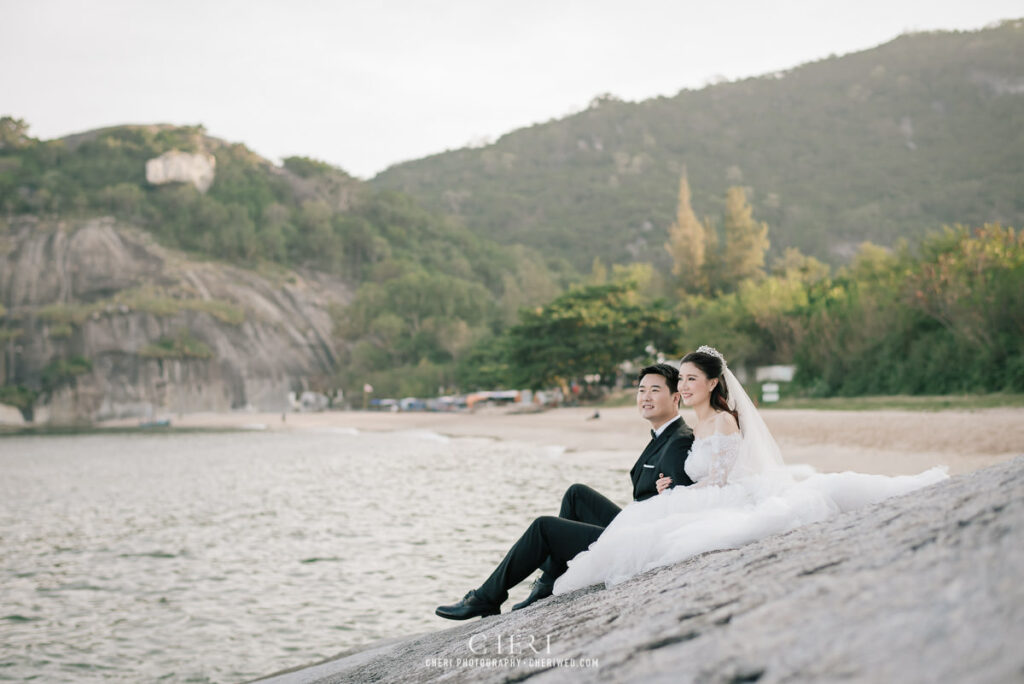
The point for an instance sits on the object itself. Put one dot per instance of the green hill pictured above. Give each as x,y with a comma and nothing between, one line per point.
426,288
887,143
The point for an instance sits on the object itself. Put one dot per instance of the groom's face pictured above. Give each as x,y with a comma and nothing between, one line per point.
657,403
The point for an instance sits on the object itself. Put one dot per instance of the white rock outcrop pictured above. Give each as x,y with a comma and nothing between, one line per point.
176,166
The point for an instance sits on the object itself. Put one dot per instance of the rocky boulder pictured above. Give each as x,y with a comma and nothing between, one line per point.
920,588
104,323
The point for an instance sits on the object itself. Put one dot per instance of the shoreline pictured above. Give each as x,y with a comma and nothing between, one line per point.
887,442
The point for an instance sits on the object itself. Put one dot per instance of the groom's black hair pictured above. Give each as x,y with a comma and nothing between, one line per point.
669,372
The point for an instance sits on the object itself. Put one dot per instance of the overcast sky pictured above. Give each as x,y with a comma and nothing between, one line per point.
366,84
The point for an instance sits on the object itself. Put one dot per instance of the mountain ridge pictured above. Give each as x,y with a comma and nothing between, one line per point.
867,146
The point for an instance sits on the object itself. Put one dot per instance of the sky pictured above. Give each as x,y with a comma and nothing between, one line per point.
365,84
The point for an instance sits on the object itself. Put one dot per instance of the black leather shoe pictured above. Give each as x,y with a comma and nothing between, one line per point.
540,590
470,606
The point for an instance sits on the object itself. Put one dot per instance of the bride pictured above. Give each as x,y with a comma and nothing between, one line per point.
743,490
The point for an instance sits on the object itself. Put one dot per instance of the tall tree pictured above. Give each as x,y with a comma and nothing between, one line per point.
746,241
588,330
687,243
712,256
598,272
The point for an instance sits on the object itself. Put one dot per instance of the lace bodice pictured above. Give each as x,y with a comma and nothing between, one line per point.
711,458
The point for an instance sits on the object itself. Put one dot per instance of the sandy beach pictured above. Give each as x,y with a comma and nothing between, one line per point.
884,442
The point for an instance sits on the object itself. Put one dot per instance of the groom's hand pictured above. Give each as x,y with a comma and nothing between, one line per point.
663,482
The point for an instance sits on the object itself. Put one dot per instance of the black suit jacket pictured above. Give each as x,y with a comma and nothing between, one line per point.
665,454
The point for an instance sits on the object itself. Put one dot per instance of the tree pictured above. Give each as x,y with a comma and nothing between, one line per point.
530,283
13,133
485,365
687,244
794,264
970,283
712,257
588,330
315,238
746,240
123,199
598,272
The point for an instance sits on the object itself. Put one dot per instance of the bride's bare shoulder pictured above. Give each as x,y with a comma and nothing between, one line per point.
725,423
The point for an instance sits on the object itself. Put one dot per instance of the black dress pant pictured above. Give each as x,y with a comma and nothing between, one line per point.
548,539
551,542
582,504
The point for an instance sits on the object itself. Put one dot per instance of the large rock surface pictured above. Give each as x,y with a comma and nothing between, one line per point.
128,286
921,588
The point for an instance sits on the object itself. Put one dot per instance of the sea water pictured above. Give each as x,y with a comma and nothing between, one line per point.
220,557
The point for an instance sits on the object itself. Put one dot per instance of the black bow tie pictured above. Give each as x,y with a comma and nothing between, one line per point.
654,435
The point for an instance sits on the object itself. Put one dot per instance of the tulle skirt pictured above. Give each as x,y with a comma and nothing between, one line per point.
686,521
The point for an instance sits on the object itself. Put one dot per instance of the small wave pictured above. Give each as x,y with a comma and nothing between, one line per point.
72,586
149,554
89,666
20,618
553,450
328,559
426,435
254,426
338,431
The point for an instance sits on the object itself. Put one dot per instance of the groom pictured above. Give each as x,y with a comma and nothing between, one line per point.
550,542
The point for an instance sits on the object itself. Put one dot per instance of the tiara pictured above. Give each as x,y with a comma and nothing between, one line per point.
711,351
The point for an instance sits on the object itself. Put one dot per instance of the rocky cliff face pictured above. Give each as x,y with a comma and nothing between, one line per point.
104,323
920,588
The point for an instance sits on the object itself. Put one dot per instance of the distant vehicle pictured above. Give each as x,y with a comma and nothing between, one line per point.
412,404
446,404
384,405
494,398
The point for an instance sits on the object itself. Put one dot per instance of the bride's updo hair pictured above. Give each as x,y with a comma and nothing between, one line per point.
712,364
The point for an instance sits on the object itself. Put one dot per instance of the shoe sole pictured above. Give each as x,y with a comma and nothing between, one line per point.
520,606
529,602
447,616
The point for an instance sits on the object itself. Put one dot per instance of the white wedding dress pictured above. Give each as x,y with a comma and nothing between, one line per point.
726,508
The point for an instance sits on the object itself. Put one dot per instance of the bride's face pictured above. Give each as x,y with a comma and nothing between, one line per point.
694,385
